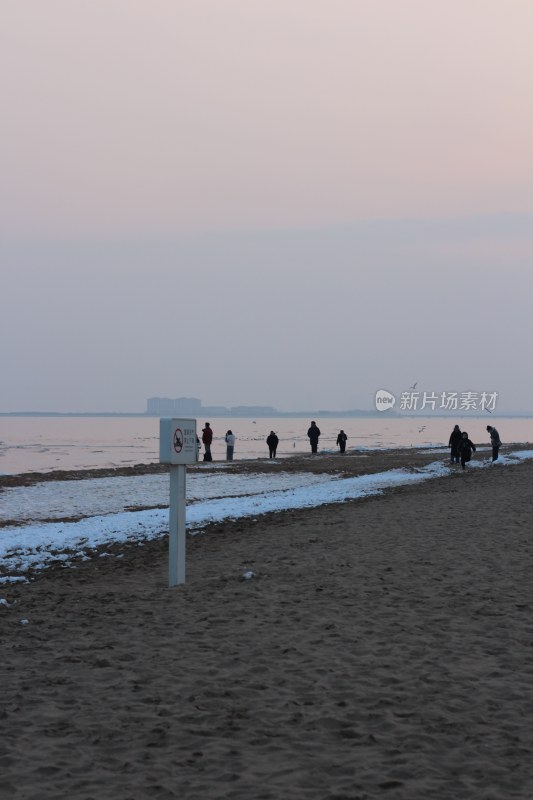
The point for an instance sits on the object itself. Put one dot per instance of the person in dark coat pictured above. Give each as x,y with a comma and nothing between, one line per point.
207,438
341,441
313,433
455,441
466,448
495,441
272,442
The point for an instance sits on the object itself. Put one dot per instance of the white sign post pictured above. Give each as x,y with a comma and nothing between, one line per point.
177,447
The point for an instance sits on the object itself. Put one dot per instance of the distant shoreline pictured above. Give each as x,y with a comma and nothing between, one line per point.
278,414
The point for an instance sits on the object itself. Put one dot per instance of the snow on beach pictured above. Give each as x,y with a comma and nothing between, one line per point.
95,496
36,545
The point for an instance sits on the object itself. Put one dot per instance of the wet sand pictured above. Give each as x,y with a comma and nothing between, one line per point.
383,648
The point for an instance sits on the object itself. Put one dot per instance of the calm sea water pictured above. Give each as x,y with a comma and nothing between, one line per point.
43,444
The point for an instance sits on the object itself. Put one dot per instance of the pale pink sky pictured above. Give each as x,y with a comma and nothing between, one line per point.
274,202
178,115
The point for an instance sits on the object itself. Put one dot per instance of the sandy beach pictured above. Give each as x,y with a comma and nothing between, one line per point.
382,649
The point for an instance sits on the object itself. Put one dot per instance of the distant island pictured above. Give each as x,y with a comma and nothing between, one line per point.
192,407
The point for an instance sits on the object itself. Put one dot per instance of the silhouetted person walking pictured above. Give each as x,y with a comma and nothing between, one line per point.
495,441
207,438
272,442
341,441
455,441
466,448
313,433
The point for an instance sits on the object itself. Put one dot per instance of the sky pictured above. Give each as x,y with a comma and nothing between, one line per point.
291,203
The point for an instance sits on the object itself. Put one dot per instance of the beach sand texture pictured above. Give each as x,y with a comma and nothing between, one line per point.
383,649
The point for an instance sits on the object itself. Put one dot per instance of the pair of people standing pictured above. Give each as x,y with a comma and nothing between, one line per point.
207,439
314,434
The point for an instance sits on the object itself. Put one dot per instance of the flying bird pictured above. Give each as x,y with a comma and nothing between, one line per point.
413,387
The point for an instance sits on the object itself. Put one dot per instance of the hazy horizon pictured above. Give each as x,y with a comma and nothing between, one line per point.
262,203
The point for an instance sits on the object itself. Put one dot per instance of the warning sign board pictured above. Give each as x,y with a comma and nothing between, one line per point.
177,441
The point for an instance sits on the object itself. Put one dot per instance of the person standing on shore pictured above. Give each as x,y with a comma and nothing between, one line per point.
272,442
466,448
341,441
313,434
230,444
455,441
207,438
495,441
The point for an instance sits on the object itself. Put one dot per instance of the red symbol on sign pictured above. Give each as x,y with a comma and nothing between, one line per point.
178,440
